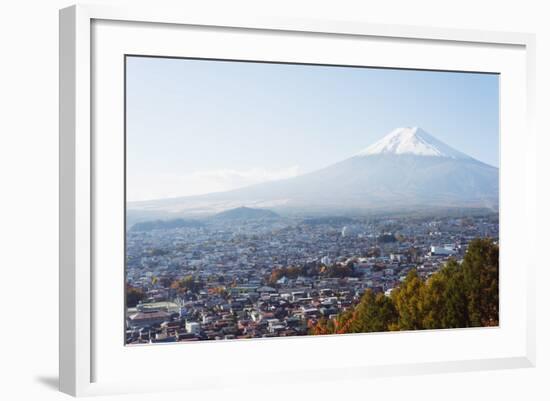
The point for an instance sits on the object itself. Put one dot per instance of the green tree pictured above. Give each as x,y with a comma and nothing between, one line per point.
408,301
481,278
444,303
374,313
434,302
456,303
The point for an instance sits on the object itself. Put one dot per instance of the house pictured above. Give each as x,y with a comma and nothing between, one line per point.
441,251
266,290
192,327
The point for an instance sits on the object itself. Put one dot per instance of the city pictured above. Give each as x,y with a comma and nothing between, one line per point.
255,274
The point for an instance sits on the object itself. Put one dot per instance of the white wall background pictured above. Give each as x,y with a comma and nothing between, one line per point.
29,185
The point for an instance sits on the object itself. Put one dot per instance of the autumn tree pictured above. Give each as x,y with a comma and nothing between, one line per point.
337,271
188,283
134,296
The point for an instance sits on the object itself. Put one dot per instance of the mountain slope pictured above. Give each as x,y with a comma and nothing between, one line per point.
406,169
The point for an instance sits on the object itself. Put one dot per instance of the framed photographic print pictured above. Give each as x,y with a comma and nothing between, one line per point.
302,200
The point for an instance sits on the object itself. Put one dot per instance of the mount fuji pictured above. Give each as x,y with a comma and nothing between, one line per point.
411,141
408,169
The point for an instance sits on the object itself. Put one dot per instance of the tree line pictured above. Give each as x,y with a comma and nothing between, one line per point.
459,295
311,269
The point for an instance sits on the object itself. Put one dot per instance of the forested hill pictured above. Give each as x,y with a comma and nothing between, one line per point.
245,213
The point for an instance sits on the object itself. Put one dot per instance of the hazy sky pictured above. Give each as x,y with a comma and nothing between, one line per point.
198,126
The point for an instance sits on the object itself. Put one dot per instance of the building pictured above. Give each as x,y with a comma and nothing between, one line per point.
441,251
192,327
144,319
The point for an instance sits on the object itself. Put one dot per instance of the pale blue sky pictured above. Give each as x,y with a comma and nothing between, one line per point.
199,126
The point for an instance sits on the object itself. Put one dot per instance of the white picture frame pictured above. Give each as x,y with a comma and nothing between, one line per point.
81,211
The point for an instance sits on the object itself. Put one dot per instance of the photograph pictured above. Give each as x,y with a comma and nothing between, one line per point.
273,199
287,200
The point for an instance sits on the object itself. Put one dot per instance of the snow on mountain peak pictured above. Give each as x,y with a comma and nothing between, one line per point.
411,141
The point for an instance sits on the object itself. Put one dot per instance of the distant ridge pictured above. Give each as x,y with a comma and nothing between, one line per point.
313,221
164,224
246,213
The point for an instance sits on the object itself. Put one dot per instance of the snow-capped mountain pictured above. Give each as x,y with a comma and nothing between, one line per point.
407,169
411,141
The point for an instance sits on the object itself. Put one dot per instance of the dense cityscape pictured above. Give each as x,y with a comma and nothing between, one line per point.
248,273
